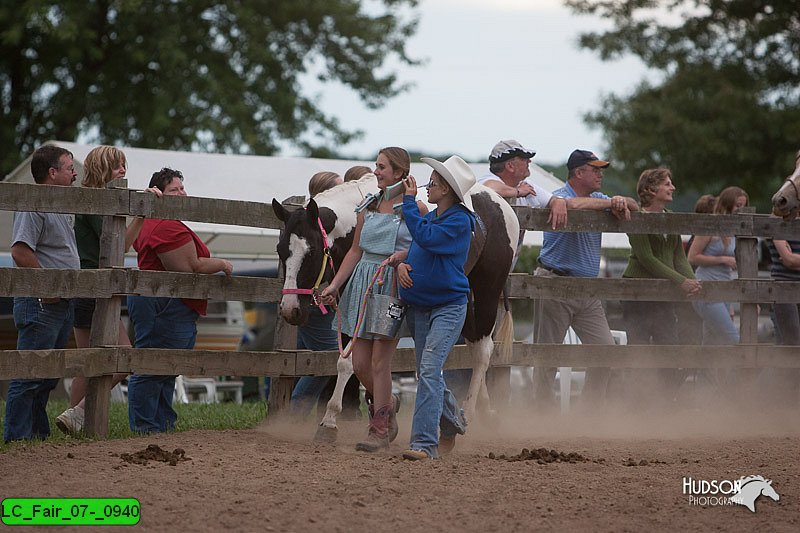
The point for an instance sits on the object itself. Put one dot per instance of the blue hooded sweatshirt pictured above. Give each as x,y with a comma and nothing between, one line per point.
437,255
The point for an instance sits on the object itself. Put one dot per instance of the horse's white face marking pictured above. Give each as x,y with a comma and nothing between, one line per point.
298,249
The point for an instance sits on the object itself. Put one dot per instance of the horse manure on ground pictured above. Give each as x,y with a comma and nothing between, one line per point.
544,456
643,462
154,452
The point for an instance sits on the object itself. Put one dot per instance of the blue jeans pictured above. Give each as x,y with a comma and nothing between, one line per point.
39,327
317,335
157,323
787,322
785,381
718,327
435,331
458,379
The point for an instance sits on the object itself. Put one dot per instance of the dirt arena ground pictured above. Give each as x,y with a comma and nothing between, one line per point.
274,478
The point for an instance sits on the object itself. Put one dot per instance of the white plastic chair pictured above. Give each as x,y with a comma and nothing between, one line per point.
565,372
210,389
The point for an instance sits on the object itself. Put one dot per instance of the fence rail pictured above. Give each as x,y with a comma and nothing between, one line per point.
94,362
113,281
128,202
104,283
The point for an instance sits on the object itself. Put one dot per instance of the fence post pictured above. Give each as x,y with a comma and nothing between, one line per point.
280,387
747,266
105,322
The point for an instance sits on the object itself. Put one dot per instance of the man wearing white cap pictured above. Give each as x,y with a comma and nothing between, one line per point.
509,172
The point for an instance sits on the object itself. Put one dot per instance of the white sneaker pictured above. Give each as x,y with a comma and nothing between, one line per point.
70,421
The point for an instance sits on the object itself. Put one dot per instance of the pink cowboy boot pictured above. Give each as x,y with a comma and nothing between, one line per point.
378,435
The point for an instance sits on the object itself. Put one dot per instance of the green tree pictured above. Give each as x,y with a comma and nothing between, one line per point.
191,74
727,108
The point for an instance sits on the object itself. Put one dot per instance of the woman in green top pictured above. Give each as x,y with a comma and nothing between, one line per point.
656,256
102,165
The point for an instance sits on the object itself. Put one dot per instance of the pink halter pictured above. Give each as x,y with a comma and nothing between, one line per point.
314,292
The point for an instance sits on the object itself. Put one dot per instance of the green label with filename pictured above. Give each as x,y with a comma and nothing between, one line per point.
70,511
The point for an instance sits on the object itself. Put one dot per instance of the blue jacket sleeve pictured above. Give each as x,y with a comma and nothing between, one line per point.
449,235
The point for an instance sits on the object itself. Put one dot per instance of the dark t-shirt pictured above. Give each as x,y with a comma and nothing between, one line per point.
778,270
88,229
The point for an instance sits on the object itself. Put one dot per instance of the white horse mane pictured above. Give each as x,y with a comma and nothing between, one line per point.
347,192
342,200
748,479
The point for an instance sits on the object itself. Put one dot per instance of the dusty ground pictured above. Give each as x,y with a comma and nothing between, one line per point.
273,478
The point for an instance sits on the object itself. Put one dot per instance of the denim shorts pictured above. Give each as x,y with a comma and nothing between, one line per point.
84,311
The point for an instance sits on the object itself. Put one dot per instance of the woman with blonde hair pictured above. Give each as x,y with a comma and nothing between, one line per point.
381,237
656,256
705,204
102,165
322,181
715,260
356,173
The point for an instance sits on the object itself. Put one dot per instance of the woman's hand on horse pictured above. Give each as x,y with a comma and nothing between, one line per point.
410,185
403,276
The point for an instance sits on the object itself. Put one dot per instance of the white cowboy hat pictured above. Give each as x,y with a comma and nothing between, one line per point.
458,174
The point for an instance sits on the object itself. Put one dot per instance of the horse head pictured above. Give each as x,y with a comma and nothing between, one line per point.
302,250
768,491
786,202
302,246
750,488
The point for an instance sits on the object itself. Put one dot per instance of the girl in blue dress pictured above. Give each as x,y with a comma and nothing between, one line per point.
715,260
380,235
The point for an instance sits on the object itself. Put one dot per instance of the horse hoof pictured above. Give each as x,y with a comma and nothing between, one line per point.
326,434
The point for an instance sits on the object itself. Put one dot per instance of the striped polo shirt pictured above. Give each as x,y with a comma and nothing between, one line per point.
778,270
575,254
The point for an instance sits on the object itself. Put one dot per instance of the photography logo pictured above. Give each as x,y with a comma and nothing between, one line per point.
743,491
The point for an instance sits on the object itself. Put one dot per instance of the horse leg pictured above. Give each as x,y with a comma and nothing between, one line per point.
481,351
327,430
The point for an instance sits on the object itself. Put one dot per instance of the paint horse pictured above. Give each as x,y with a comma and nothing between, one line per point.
324,229
786,202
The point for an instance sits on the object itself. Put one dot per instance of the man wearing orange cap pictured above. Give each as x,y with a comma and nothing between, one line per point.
578,255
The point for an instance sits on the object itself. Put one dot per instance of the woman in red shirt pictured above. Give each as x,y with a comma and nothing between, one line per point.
165,245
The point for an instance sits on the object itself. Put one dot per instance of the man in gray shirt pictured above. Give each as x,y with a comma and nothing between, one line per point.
40,240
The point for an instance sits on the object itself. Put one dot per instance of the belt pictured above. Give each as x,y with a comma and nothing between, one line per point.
555,271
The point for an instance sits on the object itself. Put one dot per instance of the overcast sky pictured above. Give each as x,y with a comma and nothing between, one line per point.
496,69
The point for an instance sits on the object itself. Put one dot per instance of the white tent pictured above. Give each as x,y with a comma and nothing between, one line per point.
245,177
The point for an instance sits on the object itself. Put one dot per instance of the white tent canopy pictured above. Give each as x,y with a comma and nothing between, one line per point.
250,178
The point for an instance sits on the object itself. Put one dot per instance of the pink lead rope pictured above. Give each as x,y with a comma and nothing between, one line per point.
362,309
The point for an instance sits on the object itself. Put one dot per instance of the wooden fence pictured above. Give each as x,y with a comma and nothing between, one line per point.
110,282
